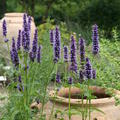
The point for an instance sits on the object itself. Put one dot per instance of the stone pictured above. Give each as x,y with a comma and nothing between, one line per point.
36,105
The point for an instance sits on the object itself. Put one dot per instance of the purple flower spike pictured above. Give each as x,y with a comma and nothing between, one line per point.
39,54
88,69
73,65
29,22
19,40
82,51
23,38
4,25
19,85
70,80
14,54
94,74
32,56
35,41
34,46
58,80
19,79
65,54
24,20
95,40
20,88
81,76
6,40
57,45
52,37
26,68
26,34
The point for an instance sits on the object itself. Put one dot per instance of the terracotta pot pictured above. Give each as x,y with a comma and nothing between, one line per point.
105,103
14,23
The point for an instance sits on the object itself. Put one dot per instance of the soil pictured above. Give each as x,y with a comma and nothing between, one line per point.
95,95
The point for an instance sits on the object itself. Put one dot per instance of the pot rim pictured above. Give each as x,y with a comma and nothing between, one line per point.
94,102
14,14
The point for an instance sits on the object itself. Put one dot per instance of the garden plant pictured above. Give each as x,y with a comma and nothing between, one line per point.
51,59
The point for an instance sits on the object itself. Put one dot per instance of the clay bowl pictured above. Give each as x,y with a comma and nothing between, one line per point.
103,102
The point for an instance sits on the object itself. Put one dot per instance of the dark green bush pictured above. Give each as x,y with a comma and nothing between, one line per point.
105,13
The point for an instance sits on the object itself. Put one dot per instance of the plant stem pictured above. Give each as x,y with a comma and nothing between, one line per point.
54,97
43,102
8,51
69,102
66,72
86,106
26,86
89,99
33,76
82,104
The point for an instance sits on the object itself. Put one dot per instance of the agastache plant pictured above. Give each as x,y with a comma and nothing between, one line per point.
88,69
86,73
19,40
34,46
39,54
82,51
58,80
23,38
82,58
52,37
26,33
24,80
57,45
95,40
70,80
14,54
73,66
94,74
65,50
81,76
20,86
29,22
4,27
57,55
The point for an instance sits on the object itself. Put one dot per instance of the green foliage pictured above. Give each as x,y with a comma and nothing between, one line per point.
2,61
50,24
2,8
103,12
2,66
107,64
115,34
2,70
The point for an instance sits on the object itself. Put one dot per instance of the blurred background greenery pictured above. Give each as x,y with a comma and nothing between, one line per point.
78,15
